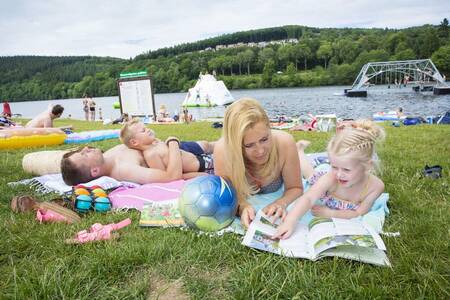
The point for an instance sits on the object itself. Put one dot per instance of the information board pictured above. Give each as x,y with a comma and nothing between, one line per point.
136,96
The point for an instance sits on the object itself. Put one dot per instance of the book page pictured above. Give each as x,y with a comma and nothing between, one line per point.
368,255
297,244
326,233
161,213
260,232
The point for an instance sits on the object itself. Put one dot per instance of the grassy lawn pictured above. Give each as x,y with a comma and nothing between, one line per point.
179,264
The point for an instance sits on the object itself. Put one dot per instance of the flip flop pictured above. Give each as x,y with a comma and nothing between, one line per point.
433,172
98,232
23,203
48,212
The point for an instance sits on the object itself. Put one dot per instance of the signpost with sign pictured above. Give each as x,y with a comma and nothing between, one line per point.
136,94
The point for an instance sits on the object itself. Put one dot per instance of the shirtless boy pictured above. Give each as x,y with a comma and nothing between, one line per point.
196,157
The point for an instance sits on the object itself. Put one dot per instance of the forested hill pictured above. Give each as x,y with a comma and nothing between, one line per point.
51,77
285,56
250,36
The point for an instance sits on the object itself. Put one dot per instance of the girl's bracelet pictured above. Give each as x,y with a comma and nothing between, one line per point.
173,140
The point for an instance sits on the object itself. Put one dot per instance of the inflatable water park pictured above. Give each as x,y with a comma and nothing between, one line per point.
207,92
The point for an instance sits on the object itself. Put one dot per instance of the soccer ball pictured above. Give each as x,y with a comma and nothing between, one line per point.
208,203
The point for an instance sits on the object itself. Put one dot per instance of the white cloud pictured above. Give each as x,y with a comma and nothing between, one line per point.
128,28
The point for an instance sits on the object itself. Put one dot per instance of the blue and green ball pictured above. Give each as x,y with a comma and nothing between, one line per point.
208,203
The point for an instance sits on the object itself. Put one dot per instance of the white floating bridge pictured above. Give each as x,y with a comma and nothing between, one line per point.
422,74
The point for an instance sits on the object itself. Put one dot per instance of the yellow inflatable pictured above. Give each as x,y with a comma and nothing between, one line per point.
30,137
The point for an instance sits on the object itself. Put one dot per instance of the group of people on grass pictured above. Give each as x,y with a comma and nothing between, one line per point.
254,158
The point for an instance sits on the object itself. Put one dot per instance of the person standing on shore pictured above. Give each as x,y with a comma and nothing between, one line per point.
91,104
86,107
6,109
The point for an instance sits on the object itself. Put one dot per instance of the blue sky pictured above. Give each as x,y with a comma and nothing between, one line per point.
128,28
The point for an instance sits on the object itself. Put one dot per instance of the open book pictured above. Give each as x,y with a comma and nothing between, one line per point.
321,237
161,213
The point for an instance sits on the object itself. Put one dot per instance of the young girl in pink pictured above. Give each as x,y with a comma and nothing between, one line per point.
349,188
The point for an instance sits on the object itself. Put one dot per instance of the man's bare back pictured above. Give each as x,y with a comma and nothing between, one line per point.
43,120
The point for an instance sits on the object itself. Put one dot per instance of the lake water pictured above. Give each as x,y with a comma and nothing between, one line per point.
288,101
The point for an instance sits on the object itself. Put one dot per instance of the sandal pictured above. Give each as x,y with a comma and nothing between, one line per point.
433,172
98,232
48,212
23,203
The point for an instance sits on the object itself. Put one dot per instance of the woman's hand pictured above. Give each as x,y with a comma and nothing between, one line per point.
285,229
247,215
275,211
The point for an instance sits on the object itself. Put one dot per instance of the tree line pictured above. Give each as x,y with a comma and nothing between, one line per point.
320,57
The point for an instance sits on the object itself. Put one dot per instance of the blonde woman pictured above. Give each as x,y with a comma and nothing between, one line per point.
346,188
257,159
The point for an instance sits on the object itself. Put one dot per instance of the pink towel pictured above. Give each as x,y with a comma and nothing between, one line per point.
125,197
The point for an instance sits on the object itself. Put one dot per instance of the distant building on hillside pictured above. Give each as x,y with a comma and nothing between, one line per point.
252,44
262,44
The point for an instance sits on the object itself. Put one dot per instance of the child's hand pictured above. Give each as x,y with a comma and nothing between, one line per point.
322,211
285,230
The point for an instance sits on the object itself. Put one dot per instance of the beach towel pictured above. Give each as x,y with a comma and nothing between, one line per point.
126,197
54,183
375,217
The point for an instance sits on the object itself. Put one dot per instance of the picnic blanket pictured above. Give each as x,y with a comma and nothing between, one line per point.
132,195
375,217
54,183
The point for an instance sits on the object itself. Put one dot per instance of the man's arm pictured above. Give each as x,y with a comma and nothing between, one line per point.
193,174
153,159
142,175
175,165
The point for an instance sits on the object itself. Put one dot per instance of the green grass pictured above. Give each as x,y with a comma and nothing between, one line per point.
35,263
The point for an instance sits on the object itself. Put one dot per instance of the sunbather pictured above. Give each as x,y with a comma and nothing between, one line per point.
196,157
120,163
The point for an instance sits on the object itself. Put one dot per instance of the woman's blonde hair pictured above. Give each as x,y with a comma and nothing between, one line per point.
241,116
358,140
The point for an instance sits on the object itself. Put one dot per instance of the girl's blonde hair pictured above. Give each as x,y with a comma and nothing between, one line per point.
241,116
358,140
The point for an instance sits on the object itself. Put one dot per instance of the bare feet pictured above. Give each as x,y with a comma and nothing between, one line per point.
302,144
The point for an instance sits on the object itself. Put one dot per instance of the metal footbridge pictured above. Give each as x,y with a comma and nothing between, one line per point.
421,73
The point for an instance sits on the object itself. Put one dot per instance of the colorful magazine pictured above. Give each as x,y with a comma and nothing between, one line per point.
320,238
161,213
